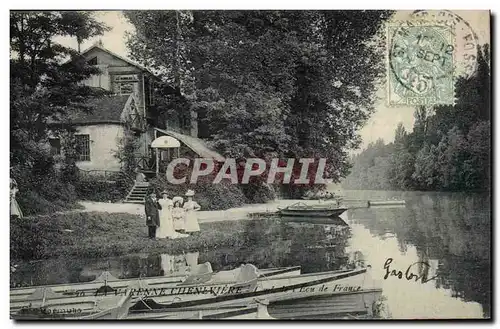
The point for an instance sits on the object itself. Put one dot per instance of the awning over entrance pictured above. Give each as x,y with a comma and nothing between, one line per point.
165,142
195,144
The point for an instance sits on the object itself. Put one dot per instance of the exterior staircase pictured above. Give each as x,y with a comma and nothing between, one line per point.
137,193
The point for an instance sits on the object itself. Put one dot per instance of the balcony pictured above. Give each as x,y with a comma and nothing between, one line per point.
136,123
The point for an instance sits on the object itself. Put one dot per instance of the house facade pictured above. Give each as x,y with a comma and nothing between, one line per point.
129,105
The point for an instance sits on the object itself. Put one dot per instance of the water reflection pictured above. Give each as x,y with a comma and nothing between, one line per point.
449,232
266,243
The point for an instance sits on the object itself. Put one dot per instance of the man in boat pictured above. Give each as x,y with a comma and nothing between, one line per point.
152,207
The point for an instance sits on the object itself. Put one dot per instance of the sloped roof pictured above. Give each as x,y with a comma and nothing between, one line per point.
98,46
107,109
195,144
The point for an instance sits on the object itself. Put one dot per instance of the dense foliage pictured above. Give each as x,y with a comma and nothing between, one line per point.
448,149
217,196
43,90
286,84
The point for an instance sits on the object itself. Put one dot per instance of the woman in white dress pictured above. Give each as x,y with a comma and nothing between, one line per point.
15,210
166,229
190,206
178,213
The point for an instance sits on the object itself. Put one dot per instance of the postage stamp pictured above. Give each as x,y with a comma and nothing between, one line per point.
420,61
426,53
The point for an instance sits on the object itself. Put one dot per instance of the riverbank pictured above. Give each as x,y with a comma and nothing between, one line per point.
204,216
100,234
112,229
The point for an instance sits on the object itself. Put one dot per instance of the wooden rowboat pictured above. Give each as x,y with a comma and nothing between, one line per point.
203,272
176,299
344,288
82,296
257,310
116,309
320,210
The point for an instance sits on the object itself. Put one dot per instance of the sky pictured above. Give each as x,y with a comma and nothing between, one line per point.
382,123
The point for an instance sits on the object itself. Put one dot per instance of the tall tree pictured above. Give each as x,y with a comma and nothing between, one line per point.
43,89
270,83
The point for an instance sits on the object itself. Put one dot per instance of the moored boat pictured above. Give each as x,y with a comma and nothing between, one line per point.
342,288
257,310
110,309
201,273
182,298
318,210
60,297
386,203
332,306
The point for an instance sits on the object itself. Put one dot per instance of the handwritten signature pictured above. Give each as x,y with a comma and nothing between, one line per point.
408,274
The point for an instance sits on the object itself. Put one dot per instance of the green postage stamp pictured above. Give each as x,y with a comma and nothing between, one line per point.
420,65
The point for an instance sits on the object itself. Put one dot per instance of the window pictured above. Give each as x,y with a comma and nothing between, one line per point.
92,61
83,147
55,146
126,88
126,84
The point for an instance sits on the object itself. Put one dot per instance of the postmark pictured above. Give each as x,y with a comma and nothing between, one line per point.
426,54
421,65
466,40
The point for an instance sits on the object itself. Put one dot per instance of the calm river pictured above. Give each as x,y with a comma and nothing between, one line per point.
449,232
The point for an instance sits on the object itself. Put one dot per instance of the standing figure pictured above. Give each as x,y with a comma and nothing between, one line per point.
166,219
15,210
166,224
152,207
191,221
178,213
139,176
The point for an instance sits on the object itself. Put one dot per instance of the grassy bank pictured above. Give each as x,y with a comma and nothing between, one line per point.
95,234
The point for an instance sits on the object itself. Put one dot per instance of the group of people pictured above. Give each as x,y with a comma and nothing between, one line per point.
171,218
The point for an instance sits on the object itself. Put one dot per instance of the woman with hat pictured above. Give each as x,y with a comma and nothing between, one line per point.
166,220
191,221
15,210
178,213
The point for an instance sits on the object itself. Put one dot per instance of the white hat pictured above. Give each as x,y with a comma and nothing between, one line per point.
177,199
190,193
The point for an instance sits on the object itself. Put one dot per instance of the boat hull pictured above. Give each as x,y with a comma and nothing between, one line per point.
316,285
314,220
326,307
85,288
311,212
175,298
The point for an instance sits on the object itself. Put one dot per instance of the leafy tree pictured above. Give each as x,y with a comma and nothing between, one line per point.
477,167
270,83
426,174
43,90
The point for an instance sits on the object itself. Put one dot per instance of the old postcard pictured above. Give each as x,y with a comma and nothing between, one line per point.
245,164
